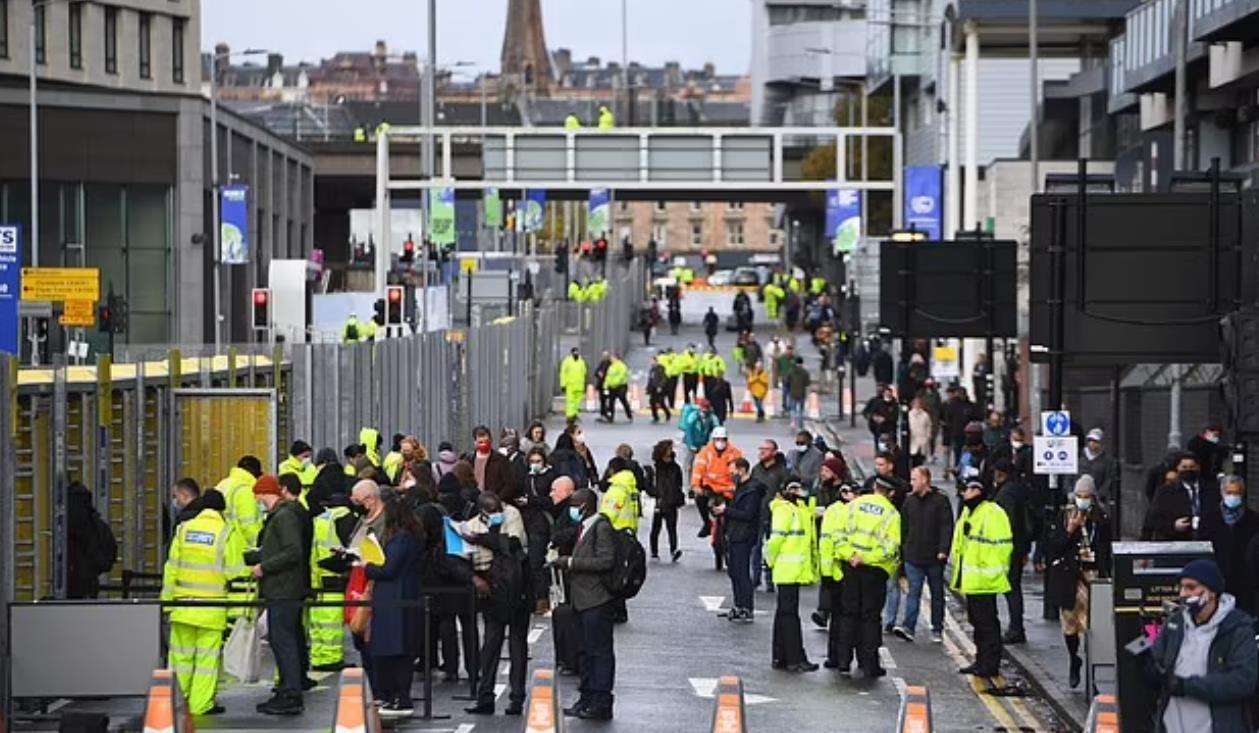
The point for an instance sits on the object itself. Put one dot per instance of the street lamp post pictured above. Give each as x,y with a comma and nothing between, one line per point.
215,225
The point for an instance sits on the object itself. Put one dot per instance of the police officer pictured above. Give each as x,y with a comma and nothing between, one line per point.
792,555
333,530
573,382
982,544
870,547
830,539
205,554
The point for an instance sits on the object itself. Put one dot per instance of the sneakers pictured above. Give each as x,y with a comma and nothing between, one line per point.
887,628
395,709
741,615
937,637
677,555
903,633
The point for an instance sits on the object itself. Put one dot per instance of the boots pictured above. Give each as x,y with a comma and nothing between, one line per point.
1073,649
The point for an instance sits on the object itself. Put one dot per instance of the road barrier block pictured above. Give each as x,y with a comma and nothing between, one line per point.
728,712
544,704
592,398
1103,715
166,710
915,712
355,712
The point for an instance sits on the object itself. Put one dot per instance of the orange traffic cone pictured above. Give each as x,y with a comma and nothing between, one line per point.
814,406
746,407
592,398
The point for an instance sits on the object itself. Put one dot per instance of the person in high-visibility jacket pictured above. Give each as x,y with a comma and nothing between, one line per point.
597,290
794,285
871,548
672,364
616,382
352,333
576,292
774,296
300,463
688,275
791,552
711,366
333,529
980,558
392,463
688,365
607,120
371,442
830,539
360,135
206,553
712,475
817,285
572,122
573,382
238,496
620,502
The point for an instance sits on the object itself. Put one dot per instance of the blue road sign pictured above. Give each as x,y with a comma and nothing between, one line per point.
1055,424
10,288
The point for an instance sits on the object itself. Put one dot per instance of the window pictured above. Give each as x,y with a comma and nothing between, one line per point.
735,206
659,234
697,234
4,29
111,40
660,206
76,35
696,207
146,46
734,233
40,35
177,50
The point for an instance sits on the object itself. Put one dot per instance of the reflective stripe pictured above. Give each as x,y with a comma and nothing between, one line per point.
205,587
990,572
182,564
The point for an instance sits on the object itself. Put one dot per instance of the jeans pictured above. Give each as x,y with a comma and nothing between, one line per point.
797,413
892,600
760,407
516,630
788,640
759,572
934,575
284,621
739,557
598,656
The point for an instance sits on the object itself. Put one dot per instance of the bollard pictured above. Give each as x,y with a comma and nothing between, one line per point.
166,710
728,712
355,712
915,712
543,711
1103,715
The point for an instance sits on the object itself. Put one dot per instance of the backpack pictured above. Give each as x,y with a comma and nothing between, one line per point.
629,567
508,589
104,550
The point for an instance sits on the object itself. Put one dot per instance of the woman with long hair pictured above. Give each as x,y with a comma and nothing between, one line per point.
394,634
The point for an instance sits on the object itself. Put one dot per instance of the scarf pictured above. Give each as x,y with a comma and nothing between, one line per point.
1232,516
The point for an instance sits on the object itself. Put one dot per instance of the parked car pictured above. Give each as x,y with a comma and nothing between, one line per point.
721,277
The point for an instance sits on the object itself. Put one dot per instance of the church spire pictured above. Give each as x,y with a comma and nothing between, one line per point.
526,65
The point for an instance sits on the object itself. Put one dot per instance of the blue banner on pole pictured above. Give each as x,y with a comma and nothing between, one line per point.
923,201
10,288
597,213
843,220
234,229
530,211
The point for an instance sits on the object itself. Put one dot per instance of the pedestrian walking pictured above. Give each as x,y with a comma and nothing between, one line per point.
711,323
758,388
982,544
573,382
742,516
720,397
882,413
1096,462
792,555
921,433
665,485
1176,510
658,389
798,392
594,556
689,365
926,532
1078,553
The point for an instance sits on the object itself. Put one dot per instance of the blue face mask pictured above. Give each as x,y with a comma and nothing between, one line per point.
1232,501
494,520
574,513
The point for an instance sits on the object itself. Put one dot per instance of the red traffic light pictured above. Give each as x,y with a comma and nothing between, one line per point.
395,295
261,296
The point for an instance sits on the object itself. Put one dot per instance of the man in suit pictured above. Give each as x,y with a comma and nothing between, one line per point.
593,557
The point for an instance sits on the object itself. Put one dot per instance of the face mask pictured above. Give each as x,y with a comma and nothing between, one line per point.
262,508
503,451
1212,439
483,447
719,444
358,509
802,446
175,508
408,483
494,520
1016,444
1232,501
574,513
305,463
1195,604
1083,504
536,468
1189,477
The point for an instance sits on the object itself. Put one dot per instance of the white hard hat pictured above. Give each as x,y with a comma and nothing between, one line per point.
719,433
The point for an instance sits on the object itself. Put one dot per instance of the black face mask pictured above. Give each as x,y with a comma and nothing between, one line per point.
1189,477
972,503
358,509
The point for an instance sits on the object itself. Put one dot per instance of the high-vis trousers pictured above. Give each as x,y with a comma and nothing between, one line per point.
572,402
194,657
326,626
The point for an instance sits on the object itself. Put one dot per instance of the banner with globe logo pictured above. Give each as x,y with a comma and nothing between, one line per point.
923,205
843,220
234,225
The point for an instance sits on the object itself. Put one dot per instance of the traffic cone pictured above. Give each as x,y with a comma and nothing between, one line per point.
636,397
814,406
592,398
746,407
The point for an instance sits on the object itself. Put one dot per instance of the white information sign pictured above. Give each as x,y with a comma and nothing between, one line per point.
1055,455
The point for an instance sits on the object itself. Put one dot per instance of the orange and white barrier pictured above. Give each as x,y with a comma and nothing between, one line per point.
543,711
1103,715
915,711
728,713
355,712
636,397
166,710
592,398
813,408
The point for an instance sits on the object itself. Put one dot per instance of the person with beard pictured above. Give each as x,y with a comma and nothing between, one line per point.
792,555
535,508
982,544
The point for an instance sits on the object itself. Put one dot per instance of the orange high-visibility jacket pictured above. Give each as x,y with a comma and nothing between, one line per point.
714,470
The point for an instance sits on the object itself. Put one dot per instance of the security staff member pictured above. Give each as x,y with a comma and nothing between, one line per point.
689,366
237,490
621,506
573,382
299,462
205,554
871,548
982,544
333,530
792,555
617,385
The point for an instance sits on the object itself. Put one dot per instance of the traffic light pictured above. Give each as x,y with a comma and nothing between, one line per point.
393,302
408,251
111,315
262,308
105,317
378,311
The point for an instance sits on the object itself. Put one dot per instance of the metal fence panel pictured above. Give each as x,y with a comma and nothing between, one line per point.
217,427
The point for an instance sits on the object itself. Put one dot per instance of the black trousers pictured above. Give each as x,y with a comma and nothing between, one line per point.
284,623
450,642
615,395
539,535
667,518
671,391
598,656
832,592
981,611
660,401
605,401
393,679
860,615
788,638
690,384
701,506
1014,599
739,568
516,631
567,637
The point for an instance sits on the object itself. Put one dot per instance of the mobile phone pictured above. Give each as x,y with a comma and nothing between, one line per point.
1138,646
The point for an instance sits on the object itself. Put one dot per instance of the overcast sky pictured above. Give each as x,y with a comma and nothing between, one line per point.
689,31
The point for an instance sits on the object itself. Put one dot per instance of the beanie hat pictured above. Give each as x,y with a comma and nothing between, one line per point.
299,447
325,457
1206,572
267,484
834,465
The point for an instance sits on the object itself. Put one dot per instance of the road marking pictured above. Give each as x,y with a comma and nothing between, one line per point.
885,658
959,646
536,633
465,728
706,687
712,604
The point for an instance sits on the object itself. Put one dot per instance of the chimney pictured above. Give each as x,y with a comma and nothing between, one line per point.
221,61
709,70
275,62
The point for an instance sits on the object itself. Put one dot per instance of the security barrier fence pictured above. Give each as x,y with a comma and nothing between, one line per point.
127,429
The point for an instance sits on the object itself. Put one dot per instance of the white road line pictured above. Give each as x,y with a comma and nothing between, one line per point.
465,728
885,658
536,633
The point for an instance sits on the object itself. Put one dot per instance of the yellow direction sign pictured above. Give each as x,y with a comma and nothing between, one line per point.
61,283
468,265
79,313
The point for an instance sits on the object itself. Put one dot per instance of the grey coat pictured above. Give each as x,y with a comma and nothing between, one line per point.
593,557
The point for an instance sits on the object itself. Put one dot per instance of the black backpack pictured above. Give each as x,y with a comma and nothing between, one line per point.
351,332
629,568
104,546
507,574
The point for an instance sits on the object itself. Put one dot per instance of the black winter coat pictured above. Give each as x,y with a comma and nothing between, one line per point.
926,528
743,512
666,486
